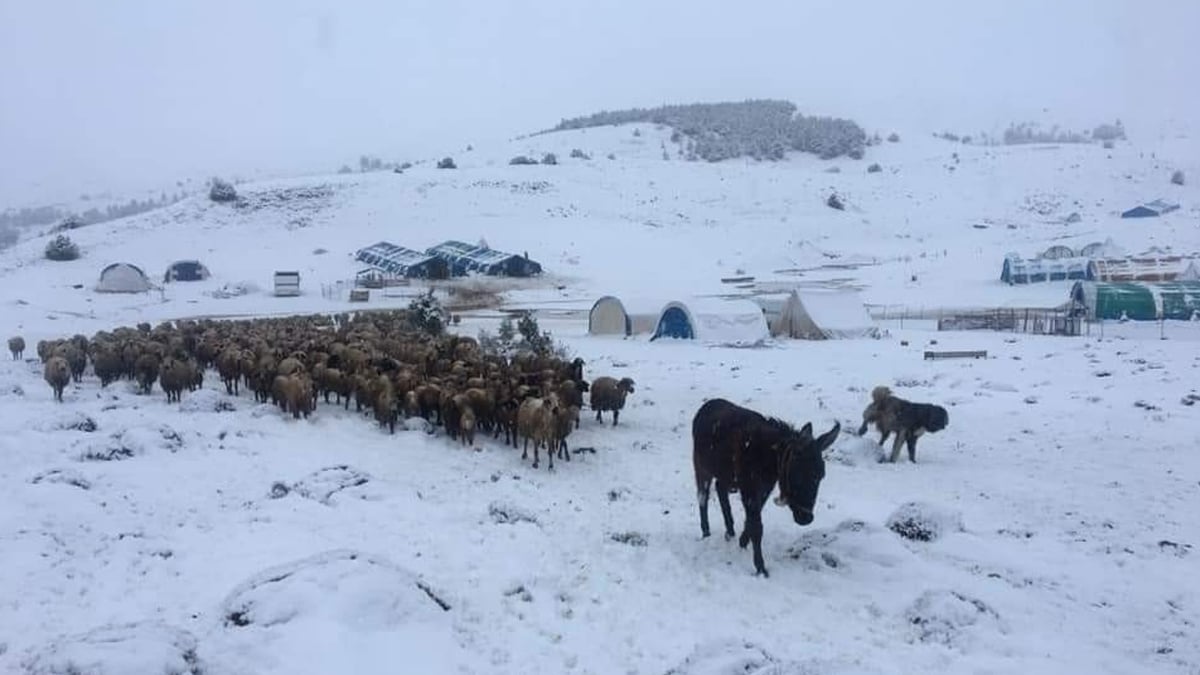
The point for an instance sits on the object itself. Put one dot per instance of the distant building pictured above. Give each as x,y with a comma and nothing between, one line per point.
1152,209
399,261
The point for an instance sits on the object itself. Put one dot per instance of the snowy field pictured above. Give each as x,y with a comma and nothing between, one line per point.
1056,512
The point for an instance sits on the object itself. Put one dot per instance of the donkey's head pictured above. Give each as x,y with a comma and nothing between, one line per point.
803,469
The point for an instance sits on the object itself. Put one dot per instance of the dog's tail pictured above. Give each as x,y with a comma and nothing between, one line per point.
880,393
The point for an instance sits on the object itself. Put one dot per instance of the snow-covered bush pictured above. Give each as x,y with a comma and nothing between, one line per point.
874,168
426,314
62,248
1177,178
835,202
549,158
893,137
446,163
579,154
942,617
918,521
222,191
522,160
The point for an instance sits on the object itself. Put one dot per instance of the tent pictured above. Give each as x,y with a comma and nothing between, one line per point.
1018,271
611,315
1058,252
712,320
402,262
820,315
186,270
1102,249
123,278
1151,209
1165,268
1179,300
463,259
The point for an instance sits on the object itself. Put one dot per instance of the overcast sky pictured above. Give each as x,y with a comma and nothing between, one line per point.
122,93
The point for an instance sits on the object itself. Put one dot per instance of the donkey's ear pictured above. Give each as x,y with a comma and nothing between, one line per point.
827,438
806,430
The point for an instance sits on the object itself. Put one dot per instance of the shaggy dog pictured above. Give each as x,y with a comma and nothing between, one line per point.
907,420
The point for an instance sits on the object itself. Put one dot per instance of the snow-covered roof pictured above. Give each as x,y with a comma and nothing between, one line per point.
721,321
1158,268
392,258
464,258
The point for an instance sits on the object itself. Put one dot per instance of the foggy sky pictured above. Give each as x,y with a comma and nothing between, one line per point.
121,94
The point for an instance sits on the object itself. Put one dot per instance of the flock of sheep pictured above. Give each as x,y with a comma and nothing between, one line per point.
375,360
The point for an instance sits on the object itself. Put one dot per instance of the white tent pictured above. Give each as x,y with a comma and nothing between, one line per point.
820,315
123,278
623,316
737,322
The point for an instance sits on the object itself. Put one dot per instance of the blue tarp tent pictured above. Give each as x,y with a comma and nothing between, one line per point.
1150,209
402,262
463,259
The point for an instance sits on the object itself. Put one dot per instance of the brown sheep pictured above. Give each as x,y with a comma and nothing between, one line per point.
173,376
564,419
570,393
609,394
58,375
506,421
466,425
297,394
106,361
146,370
16,345
229,367
385,404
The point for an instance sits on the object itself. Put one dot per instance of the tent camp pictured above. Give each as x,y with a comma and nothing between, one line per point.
611,315
186,270
712,320
1102,249
464,259
1178,300
402,262
123,278
1036,270
1151,209
818,315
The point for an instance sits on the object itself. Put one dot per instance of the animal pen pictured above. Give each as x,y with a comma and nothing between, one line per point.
1055,321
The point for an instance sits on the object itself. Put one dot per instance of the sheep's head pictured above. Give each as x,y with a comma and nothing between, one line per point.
626,385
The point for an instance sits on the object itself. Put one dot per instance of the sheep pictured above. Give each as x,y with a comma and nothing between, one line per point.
16,345
106,361
563,418
609,394
146,370
58,375
297,394
466,424
506,421
571,394
229,367
173,376
385,404
535,422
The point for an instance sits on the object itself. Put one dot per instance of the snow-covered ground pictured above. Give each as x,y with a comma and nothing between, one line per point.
216,536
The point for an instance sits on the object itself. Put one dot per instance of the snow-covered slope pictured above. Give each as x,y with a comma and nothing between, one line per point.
216,536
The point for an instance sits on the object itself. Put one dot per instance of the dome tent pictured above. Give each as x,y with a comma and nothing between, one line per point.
713,320
611,315
186,270
123,278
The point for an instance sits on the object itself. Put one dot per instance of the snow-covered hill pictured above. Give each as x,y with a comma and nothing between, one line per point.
216,536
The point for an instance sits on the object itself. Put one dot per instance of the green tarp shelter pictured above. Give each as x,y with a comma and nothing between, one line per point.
1178,300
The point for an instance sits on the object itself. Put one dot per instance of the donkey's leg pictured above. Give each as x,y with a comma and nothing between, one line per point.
726,509
912,448
900,436
616,416
883,436
702,489
754,530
